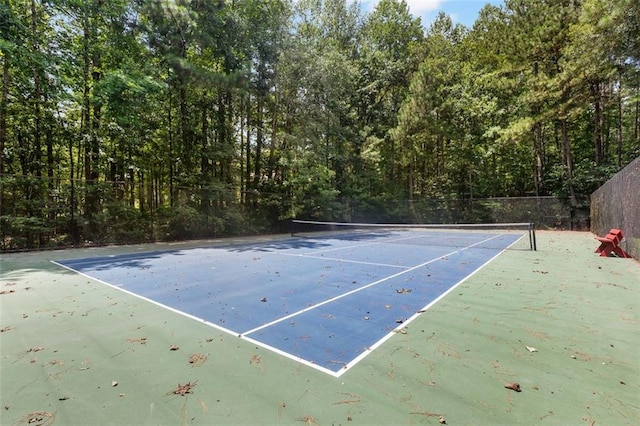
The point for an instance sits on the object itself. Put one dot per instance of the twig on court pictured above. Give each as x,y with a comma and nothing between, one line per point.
308,420
281,408
184,389
355,399
426,414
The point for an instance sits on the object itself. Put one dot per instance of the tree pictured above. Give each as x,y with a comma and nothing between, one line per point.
391,45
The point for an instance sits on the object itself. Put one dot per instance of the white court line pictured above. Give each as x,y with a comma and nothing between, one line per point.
415,315
308,363
343,260
119,288
387,240
332,299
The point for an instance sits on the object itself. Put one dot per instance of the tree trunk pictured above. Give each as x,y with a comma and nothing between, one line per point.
248,145
171,160
597,122
50,175
619,137
241,173
538,144
221,138
274,132
566,150
86,116
37,134
257,164
228,139
3,112
206,166
185,149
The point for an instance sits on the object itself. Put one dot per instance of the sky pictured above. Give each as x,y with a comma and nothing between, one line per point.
461,11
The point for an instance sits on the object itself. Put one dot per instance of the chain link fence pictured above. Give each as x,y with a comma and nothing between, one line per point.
544,212
616,204
40,213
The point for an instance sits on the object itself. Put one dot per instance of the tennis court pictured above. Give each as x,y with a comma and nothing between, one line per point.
151,347
324,300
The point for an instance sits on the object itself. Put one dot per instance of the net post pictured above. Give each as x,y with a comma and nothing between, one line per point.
532,237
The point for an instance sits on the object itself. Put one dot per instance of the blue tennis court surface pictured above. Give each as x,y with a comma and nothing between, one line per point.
323,301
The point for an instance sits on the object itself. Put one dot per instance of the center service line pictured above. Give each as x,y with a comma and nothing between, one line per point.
317,305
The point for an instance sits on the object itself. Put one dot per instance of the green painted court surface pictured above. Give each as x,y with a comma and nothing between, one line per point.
76,352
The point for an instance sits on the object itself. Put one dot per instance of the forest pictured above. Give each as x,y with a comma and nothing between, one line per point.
144,120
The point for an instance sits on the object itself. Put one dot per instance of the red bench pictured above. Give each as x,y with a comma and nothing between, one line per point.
610,244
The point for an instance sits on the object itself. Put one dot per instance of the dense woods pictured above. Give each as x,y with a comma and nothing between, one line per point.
132,120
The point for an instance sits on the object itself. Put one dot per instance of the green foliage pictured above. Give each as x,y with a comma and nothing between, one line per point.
23,232
133,120
121,223
180,223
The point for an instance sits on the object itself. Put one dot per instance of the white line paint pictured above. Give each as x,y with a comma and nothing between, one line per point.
119,288
356,290
335,259
352,363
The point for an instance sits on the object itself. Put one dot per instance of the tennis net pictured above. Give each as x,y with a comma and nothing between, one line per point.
488,235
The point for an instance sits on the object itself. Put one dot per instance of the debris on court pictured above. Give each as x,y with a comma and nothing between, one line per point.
264,299
513,386
7,328
39,418
114,383
173,348
440,417
197,359
403,290
531,349
308,420
141,340
353,399
184,389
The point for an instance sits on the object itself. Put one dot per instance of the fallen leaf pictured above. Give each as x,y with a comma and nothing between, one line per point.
513,386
